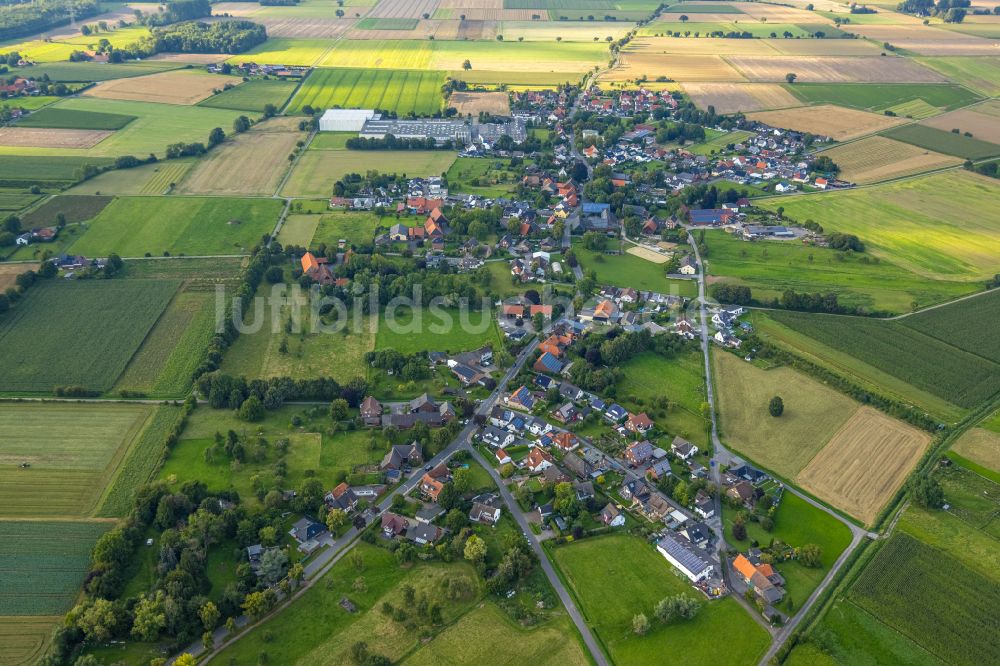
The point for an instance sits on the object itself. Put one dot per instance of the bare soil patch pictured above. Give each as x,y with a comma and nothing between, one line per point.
733,97
865,463
183,87
38,137
983,121
647,254
497,103
834,69
878,158
829,120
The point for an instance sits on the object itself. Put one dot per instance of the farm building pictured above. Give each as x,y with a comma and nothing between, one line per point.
678,551
345,120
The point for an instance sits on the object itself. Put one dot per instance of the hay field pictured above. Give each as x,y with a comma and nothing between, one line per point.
24,638
253,162
41,137
836,122
733,97
403,8
146,179
184,87
877,158
647,254
497,103
9,273
824,47
547,31
929,41
775,13
865,463
981,74
834,69
981,446
701,46
636,64
813,413
983,121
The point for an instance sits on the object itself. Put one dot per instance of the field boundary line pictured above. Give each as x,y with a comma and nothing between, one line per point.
288,172
122,453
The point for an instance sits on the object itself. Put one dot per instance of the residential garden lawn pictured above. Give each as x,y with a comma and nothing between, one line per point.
44,563
942,226
24,639
979,73
156,178
165,363
446,330
154,128
796,523
312,353
813,413
399,91
718,142
616,577
110,319
844,362
63,118
964,378
770,268
356,227
852,635
75,453
252,95
649,377
627,270
298,230
549,643
317,170
864,96
315,629
485,177
134,226
949,143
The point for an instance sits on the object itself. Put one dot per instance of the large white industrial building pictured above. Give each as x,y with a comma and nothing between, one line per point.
345,120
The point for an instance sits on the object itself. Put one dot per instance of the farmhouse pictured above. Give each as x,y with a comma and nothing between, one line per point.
401,456
761,578
678,551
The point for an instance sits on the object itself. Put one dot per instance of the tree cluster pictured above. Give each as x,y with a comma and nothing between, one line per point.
18,19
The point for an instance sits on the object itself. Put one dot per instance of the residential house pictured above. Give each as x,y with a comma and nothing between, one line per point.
503,457
553,476
584,490
429,512
486,510
765,582
394,525
742,492
688,266
421,533
659,470
538,460
342,497
611,516
615,413
570,392
683,449
638,453
566,441
704,505
305,529
548,363
638,423
656,507
679,552
402,456
521,399
579,466
566,414
316,268
634,490
496,437
698,534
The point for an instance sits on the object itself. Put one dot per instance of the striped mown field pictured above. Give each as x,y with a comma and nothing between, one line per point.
401,91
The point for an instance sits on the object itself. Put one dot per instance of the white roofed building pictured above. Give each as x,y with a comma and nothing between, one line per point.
345,120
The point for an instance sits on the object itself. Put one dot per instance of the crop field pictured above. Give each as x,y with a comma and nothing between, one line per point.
929,364
771,267
78,72
252,95
941,226
111,319
982,74
696,28
133,226
82,120
474,103
326,28
833,69
408,332
956,324
825,120
877,158
933,599
23,640
733,97
9,273
156,178
174,87
399,91
253,162
982,121
298,230
656,47
925,42
61,46
317,170
73,208
865,463
45,563
38,137
616,577
823,47
514,80
949,143
74,452
11,200
283,51
940,96
813,413
635,63
18,170
139,465
387,23
981,446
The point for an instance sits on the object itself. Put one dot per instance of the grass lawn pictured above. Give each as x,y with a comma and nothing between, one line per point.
616,577
446,330
312,353
941,226
797,523
134,226
298,230
485,177
252,95
771,267
716,142
627,270
813,413
356,227
681,380
317,170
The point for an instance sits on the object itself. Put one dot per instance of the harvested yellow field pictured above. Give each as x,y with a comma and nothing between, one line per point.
634,64
836,122
785,445
470,4
474,103
733,97
702,46
647,254
39,137
403,8
834,69
823,47
185,87
777,13
24,638
929,41
877,158
982,121
9,273
981,446
865,463
250,163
